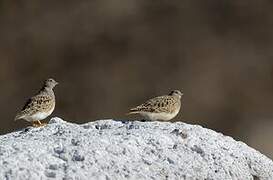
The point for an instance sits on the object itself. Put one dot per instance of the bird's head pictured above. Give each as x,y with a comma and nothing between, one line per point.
176,93
50,83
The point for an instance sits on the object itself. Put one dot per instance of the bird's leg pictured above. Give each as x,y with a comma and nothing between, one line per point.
37,123
34,124
41,124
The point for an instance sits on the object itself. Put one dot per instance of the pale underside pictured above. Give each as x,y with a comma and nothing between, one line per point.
38,115
162,116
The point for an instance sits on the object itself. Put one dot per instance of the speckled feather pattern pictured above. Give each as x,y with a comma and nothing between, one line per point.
41,105
167,104
43,102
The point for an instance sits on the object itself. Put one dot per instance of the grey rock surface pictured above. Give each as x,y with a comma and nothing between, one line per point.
109,149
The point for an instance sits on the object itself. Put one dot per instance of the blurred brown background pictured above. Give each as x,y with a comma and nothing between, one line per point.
112,55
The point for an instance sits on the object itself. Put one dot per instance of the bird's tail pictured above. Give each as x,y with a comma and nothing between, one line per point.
18,116
133,111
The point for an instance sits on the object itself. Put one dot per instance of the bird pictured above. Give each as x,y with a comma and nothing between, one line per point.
161,108
39,106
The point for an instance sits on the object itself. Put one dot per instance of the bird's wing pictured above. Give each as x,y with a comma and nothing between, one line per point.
157,104
35,104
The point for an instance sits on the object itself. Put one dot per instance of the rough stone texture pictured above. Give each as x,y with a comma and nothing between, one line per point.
109,149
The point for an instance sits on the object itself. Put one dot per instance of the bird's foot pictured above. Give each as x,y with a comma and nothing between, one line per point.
38,124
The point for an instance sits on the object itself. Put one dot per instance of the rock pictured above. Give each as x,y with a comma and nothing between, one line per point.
109,149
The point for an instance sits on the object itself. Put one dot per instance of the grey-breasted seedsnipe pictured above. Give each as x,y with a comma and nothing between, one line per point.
162,108
39,106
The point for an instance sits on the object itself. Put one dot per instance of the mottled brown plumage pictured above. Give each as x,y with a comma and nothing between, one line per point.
39,106
160,108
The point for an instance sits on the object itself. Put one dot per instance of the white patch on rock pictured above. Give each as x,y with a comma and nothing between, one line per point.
109,149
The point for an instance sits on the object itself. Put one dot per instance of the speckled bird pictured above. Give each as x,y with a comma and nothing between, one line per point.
162,108
39,106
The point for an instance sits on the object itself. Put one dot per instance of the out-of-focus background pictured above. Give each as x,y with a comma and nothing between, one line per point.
109,56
